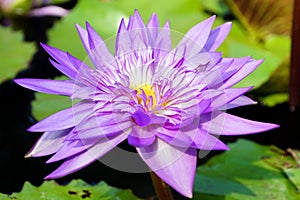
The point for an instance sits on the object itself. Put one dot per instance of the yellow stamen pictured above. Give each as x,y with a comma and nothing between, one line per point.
149,91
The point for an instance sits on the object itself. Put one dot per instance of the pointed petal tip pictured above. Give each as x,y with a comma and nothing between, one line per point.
87,23
256,62
32,154
122,21
188,194
50,160
166,25
273,126
18,81
49,177
261,61
154,15
89,28
45,46
136,13
223,148
220,146
33,129
28,155
54,175
78,27
210,19
228,25
186,191
122,26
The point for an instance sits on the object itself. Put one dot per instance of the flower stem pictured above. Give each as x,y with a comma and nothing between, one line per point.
295,59
162,190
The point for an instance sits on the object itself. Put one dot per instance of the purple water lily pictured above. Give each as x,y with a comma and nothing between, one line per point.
167,102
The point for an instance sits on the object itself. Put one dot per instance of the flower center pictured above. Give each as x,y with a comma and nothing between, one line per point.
146,95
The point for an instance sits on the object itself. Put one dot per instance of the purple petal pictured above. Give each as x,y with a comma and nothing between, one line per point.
99,53
217,36
96,127
175,138
78,64
226,124
61,57
84,38
69,72
196,37
240,101
80,161
194,138
141,118
48,143
204,141
104,120
123,43
205,99
157,119
140,137
152,28
227,96
176,166
236,63
69,149
215,58
64,119
242,73
198,60
215,78
138,32
163,43
60,87
130,22
137,21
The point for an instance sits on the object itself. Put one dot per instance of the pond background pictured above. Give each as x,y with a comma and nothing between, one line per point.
261,29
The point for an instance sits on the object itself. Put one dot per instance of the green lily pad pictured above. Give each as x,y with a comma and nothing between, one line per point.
14,53
46,104
243,173
77,189
289,163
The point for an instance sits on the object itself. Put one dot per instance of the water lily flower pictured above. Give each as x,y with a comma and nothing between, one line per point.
167,102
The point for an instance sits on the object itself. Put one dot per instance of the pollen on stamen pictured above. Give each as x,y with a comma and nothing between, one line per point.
146,96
